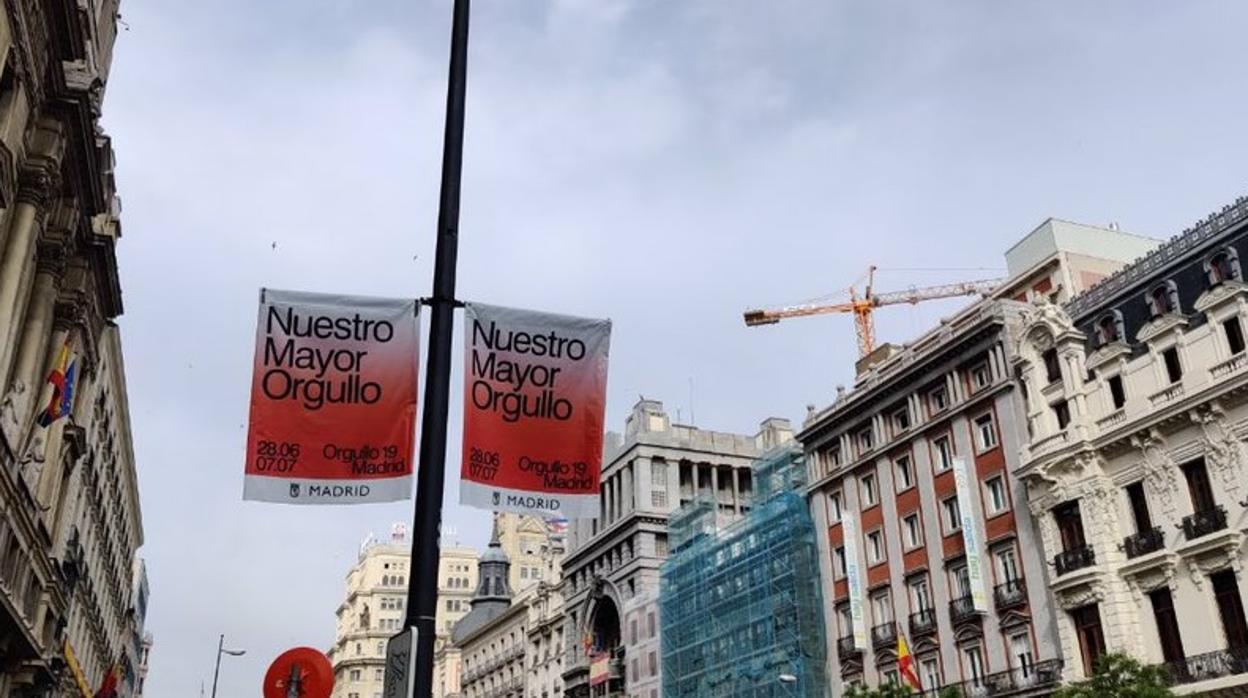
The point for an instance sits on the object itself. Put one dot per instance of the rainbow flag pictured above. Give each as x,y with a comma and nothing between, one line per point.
62,378
905,665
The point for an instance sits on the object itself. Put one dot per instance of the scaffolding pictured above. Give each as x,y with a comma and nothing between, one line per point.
741,603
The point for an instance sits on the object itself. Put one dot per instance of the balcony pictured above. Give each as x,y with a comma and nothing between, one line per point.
1169,394
1020,681
884,634
1202,523
923,621
1114,418
1144,542
1010,594
845,647
962,609
1231,365
1211,665
1074,559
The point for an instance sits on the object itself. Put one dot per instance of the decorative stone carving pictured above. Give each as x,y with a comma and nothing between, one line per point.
38,181
1201,566
1082,595
1224,451
1053,315
1160,472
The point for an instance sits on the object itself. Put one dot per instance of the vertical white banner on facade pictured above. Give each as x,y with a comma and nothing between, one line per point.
970,534
853,575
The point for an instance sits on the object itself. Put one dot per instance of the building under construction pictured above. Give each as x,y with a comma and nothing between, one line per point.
740,601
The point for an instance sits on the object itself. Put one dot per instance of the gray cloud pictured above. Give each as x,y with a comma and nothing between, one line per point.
664,164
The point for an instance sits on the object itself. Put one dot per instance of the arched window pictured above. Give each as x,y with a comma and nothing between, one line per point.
1163,299
1223,265
1109,328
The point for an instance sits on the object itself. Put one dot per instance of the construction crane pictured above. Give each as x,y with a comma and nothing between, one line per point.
862,306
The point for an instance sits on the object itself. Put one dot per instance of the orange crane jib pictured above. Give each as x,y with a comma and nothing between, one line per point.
863,306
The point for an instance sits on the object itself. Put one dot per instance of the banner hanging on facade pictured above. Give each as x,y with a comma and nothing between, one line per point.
853,577
333,399
535,388
970,534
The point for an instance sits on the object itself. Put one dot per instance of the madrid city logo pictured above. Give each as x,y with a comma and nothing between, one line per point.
294,490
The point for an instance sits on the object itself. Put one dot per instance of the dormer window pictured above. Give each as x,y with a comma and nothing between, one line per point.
1109,328
1223,266
1163,299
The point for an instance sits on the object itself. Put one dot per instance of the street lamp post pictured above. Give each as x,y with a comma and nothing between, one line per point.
220,651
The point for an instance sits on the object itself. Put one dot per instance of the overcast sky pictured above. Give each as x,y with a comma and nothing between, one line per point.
664,163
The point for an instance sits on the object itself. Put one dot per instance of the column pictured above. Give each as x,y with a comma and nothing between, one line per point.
630,490
642,482
34,189
715,486
33,355
736,492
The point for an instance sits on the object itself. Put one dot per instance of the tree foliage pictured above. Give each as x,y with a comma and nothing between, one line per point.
1120,676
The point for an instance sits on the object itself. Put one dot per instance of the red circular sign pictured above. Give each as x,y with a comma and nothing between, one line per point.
310,667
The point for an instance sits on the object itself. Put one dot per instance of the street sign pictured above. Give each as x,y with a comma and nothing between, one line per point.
302,672
401,665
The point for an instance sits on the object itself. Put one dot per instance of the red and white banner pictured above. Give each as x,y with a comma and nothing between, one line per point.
535,391
333,399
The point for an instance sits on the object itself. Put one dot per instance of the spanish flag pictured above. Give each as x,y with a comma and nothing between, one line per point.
905,665
61,378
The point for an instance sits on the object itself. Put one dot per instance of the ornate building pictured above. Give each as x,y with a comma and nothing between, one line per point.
371,613
611,571
70,522
1137,408
457,579
491,638
913,484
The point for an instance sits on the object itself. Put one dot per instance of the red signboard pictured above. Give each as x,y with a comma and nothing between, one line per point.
333,399
534,402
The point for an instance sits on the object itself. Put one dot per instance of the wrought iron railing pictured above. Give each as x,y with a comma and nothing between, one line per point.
884,634
1073,559
1144,542
1210,665
923,621
1030,677
845,647
1202,523
961,609
1010,593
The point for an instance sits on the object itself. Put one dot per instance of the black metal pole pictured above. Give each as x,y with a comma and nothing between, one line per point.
217,672
422,592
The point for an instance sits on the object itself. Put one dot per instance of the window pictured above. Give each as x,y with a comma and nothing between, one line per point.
985,432
650,624
981,376
654,663
961,581
1052,367
943,452
901,420
524,572
912,530
953,515
931,673
378,675
835,453
882,608
920,595
1087,621
1174,370
660,545
658,498
1167,624
875,547
1109,328
1062,412
1234,335
866,440
838,556
1021,657
1007,564
869,494
938,400
450,605
891,677
1116,394
1163,299
1139,507
905,473
844,620
1223,266
834,506
355,675
998,501
973,664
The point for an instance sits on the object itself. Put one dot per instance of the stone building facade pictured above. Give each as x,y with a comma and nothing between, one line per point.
905,549
457,580
612,564
70,522
372,611
1137,412
491,639
544,651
